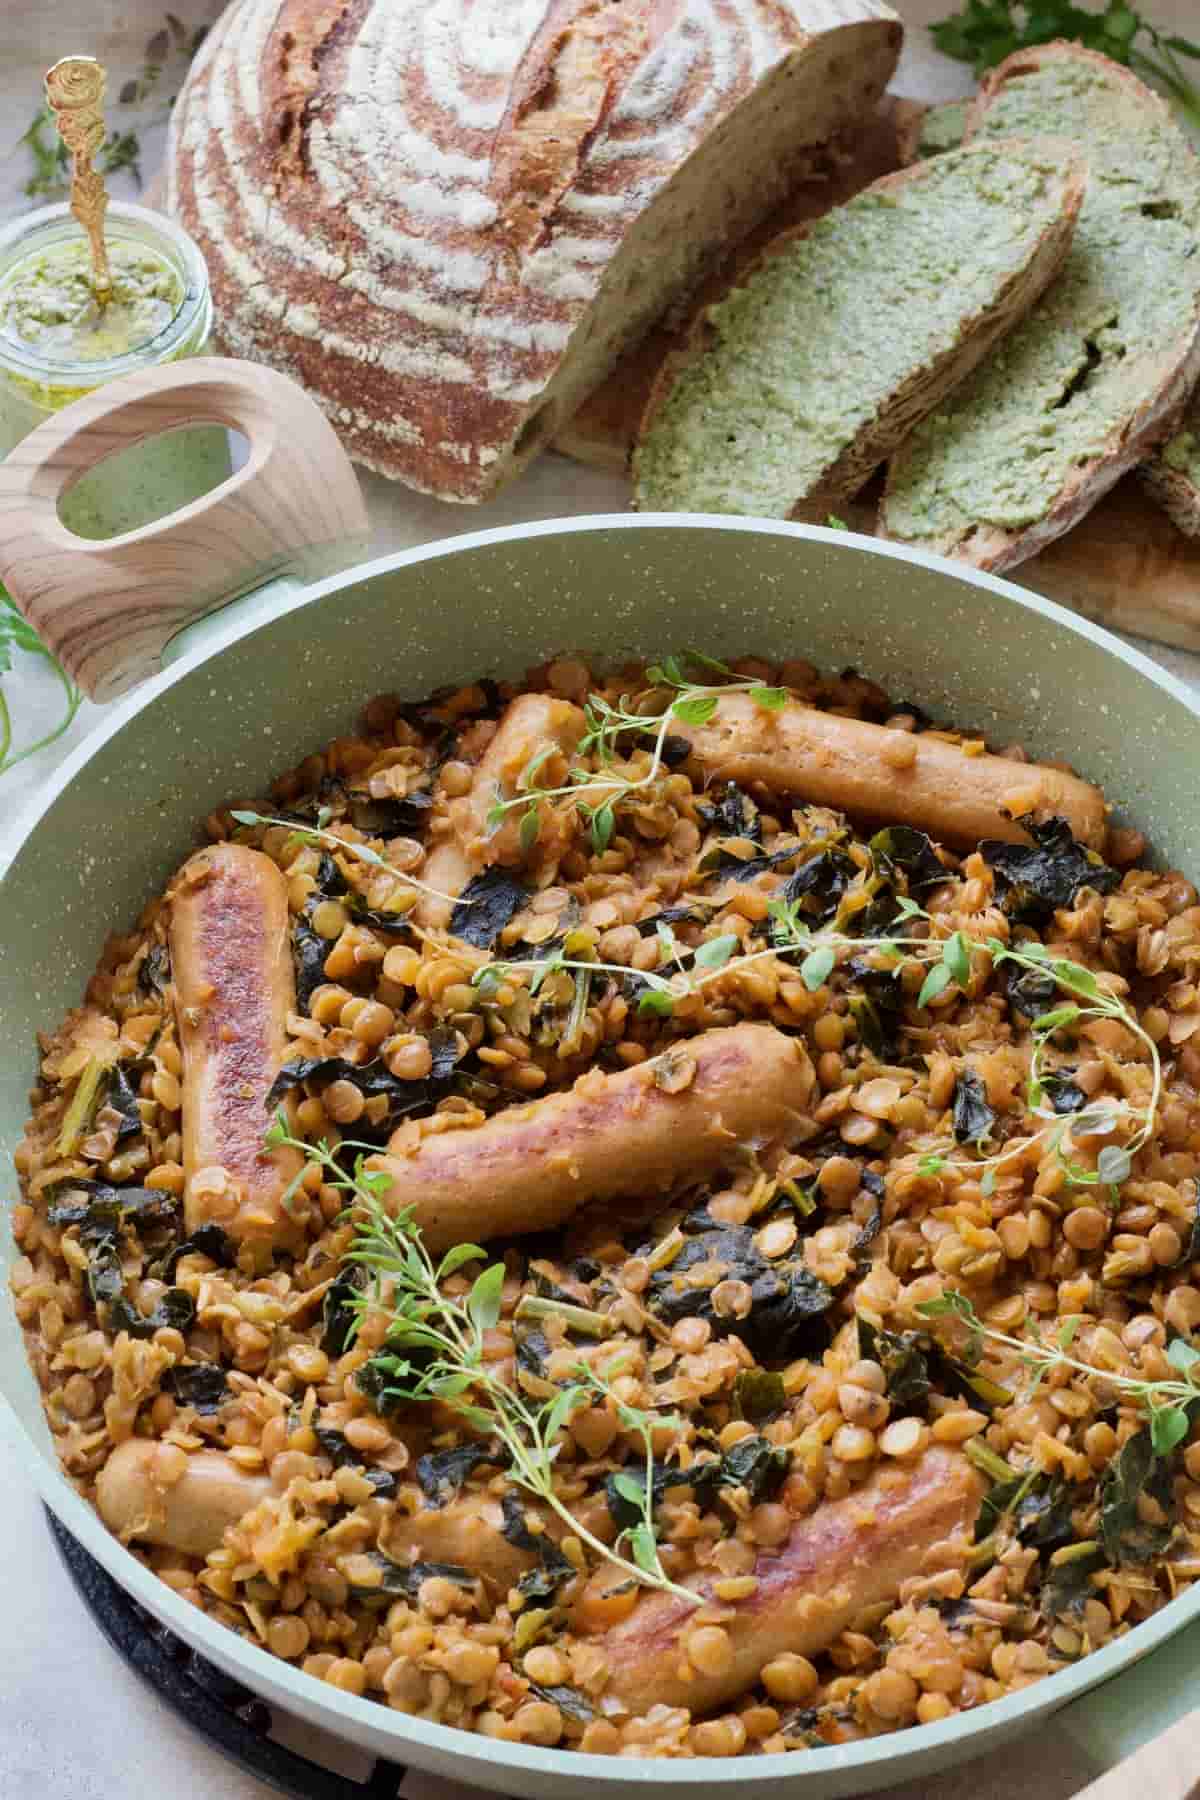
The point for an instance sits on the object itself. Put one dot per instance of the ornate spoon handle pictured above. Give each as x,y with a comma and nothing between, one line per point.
75,95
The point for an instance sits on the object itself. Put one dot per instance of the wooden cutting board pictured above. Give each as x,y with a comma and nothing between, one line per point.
1125,565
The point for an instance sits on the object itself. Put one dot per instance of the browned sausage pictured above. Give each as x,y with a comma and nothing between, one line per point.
610,1135
533,723
901,777
469,1531
235,986
847,1556
144,1491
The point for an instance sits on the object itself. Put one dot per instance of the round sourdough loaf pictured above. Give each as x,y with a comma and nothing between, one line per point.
449,218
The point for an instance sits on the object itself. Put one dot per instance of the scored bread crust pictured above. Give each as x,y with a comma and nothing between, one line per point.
449,218
920,392
1145,428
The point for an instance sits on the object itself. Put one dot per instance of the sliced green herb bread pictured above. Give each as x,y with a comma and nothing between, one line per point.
794,388
1098,374
923,131
1172,475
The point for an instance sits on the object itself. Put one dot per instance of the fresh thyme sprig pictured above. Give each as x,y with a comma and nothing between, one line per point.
434,1351
596,794
1165,1401
947,961
317,837
17,634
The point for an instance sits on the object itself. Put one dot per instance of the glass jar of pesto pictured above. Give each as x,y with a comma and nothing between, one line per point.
56,344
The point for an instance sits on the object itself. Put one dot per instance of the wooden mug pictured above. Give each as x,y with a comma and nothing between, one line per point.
108,607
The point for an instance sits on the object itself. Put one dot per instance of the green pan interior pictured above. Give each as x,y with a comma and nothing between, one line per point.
127,808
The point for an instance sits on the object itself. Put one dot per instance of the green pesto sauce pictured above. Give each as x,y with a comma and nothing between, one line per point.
942,128
47,305
1070,378
817,343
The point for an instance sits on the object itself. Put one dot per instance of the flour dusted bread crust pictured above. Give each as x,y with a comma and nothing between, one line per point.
448,219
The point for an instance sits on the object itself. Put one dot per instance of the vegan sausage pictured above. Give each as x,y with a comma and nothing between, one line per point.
144,1492
469,1532
847,1556
894,776
532,724
672,1119
235,986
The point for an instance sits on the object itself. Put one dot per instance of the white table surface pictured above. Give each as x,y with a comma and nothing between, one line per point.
74,1723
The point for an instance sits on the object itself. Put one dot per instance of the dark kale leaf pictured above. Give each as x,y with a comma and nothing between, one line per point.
331,883
904,848
672,915
874,1225
105,1207
154,971
344,1456
721,861
758,1395
1041,1511
674,750
404,1579
1043,1515
386,1379
877,1008
308,953
900,1356
973,1117
758,1466
175,1310
533,1350
443,1473
1034,880
1137,1469
569,1701
955,1377
405,817
338,1311
1061,1091
732,813
817,886
485,907
406,1099
1029,991
208,1240
787,1302
122,1096
202,1385
514,1528
1068,1585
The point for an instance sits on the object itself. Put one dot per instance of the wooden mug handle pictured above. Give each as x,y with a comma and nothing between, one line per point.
108,607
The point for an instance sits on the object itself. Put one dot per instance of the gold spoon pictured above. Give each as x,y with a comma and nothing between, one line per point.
75,95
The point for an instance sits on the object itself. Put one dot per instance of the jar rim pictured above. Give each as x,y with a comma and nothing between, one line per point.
54,223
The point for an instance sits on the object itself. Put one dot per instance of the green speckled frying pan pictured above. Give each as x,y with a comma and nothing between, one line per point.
280,672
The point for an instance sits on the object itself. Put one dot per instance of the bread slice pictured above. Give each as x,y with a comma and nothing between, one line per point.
1099,373
923,131
604,430
800,383
1172,475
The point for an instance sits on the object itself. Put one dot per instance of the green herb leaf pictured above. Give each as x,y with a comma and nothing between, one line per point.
603,825
454,1259
1061,1015
529,828
697,711
644,1548
716,952
630,1488
770,698
483,1302
817,967
1181,1355
957,958
935,983
1113,1164
1168,1426
654,1000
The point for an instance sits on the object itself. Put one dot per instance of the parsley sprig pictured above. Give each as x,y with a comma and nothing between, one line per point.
17,634
1165,1401
986,31
434,1351
597,793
